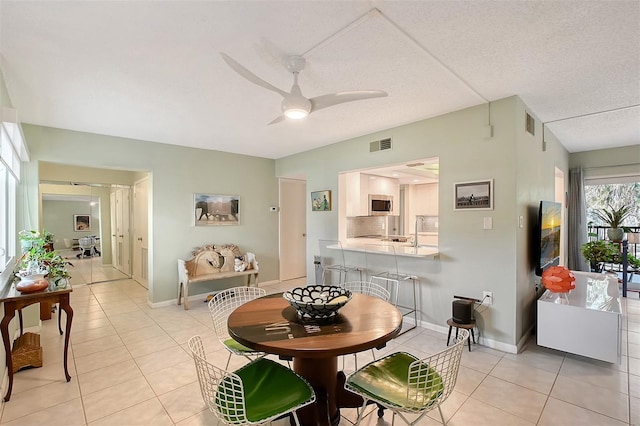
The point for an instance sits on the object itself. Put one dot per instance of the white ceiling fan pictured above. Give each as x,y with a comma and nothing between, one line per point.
294,105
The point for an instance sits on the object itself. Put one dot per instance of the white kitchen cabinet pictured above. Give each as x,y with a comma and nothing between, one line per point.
426,202
360,185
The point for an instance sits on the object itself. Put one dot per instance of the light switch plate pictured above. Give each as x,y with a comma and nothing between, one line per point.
488,222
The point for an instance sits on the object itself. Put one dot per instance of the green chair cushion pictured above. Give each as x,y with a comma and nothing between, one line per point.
385,380
270,389
236,347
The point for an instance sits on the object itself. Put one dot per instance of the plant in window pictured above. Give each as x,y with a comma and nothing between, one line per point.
599,252
614,218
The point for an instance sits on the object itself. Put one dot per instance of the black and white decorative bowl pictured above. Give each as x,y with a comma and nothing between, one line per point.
317,301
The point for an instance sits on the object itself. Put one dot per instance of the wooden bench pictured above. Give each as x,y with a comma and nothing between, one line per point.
214,262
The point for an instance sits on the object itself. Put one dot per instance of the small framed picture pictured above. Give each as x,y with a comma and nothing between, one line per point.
81,222
215,210
321,201
477,195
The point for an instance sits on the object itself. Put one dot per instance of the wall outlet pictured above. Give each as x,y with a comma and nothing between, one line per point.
488,297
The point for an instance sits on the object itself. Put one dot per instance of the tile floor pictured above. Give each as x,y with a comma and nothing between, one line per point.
129,365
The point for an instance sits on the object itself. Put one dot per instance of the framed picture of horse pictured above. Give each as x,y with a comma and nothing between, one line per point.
216,210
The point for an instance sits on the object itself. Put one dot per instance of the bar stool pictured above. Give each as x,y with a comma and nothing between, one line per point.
470,326
382,267
332,256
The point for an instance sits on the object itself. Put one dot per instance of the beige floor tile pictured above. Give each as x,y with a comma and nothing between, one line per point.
50,372
635,411
170,378
149,412
162,359
479,360
633,350
142,334
96,380
634,366
97,345
560,413
68,413
183,402
449,407
601,400
514,399
468,380
203,418
40,398
183,335
116,398
101,359
144,347
538,357
87,325
92,334
477,413
634,386
595,373
526,376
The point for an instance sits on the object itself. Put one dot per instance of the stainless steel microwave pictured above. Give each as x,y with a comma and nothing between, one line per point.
380,205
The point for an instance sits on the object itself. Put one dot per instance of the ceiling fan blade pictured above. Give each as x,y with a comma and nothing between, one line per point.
277,120
324,101
249,75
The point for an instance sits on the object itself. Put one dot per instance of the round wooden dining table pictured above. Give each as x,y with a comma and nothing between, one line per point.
270,324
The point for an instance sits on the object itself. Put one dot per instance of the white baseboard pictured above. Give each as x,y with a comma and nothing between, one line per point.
197,297
490,343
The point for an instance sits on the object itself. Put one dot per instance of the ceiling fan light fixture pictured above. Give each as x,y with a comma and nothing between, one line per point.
296,113
296,106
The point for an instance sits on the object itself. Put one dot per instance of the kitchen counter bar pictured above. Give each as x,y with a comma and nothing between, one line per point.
401,249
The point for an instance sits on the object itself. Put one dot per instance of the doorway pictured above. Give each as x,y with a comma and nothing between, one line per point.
78,215
293,229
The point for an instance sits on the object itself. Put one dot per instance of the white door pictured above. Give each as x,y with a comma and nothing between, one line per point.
293,228
114,230
140,232
124,236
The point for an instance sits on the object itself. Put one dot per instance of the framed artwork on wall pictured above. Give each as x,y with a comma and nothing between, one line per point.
81,222
216,210
321,201
477,195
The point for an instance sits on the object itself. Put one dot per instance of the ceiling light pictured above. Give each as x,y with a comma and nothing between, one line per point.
296,107
296,114
416,180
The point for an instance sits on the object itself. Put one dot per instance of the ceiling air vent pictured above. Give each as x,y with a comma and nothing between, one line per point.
530,124
381,145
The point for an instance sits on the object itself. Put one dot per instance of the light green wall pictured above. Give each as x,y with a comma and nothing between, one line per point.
58,219
176,174
472,259
535,181
626,155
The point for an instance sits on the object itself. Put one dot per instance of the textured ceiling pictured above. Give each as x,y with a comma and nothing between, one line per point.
151,70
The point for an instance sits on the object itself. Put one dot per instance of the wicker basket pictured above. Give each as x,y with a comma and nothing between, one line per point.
26,351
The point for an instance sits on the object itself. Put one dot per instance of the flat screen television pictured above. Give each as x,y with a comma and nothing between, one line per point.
548,235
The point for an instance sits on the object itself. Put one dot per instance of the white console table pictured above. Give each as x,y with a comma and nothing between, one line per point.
588,323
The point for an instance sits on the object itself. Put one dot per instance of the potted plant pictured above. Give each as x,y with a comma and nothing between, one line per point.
38,259
614,218
29,239
48,240
599,252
